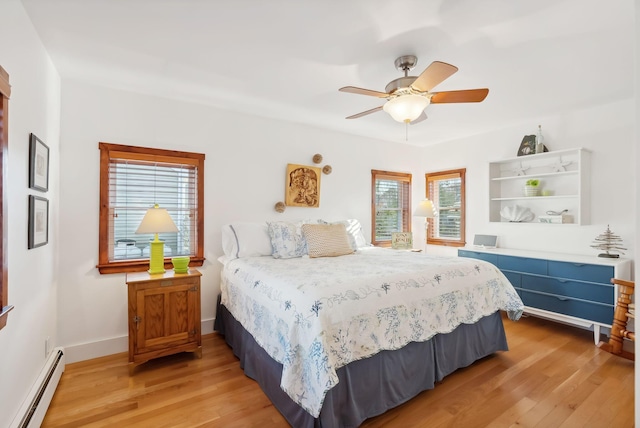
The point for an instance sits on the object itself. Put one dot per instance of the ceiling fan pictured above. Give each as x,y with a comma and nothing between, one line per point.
408,96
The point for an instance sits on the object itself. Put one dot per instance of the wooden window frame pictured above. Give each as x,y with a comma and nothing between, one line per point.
400,176
107,151
5,92
443,175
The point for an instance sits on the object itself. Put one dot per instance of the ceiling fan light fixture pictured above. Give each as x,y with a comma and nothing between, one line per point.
406,108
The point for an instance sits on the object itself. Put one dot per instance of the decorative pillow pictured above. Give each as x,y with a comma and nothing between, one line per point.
354,232
326,240
287,240
245,240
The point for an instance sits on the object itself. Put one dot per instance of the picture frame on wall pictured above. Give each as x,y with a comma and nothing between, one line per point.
38,164
38,221
302,187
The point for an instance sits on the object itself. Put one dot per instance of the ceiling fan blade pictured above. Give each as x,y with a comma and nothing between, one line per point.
364,113
360,91
422,117
433,75
464,96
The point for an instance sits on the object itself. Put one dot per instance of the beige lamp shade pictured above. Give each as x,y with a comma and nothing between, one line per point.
406,108
157,220
425,209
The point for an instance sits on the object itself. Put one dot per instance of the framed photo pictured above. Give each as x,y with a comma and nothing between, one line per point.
38,164
302,187
401,240
38,221
528,145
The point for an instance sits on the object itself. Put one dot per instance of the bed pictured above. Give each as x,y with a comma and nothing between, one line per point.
334,340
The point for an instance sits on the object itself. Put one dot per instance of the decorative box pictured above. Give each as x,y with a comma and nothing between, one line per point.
556,219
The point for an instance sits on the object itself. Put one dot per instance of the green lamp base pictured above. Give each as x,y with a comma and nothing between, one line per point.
156,261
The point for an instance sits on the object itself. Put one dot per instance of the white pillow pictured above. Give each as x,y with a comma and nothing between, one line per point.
354,233
245,240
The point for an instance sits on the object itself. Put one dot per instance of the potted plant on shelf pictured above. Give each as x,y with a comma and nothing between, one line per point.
532,187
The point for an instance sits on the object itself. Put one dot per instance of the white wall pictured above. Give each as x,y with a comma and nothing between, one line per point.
245,170
34,107
613,183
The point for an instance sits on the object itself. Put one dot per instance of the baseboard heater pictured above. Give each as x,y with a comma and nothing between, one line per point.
35,406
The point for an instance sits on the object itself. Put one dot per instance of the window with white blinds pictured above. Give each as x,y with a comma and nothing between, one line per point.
391,203
446,190
136,179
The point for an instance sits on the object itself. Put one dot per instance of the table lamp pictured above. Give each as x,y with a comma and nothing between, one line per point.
425,209
156,220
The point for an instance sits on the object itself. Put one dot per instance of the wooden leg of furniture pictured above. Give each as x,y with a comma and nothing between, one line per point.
620,319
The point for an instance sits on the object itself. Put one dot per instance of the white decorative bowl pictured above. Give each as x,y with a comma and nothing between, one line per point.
516,213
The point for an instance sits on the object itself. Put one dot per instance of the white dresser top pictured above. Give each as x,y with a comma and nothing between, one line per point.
548,255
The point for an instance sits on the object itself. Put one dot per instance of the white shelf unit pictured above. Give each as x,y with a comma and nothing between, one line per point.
564,173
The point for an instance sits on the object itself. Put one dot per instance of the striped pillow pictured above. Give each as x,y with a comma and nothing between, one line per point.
326,240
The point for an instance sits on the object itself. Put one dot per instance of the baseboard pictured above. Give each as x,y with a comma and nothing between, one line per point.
114,345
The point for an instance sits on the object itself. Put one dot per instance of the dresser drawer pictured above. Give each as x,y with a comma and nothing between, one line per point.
514,278
581,290
585,272
522,264
491,258
567,306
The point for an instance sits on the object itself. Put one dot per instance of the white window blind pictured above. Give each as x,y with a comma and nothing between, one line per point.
446,191
392,201
134,187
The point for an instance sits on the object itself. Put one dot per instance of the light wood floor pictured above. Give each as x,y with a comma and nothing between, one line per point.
553,376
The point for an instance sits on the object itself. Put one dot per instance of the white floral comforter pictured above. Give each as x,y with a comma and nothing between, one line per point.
316,315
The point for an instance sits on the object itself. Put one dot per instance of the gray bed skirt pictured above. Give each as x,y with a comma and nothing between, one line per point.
374,385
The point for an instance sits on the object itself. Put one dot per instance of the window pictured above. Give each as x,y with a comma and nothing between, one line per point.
5,91
132,180
446,190
390,205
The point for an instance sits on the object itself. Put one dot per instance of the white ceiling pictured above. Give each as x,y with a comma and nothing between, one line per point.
286,59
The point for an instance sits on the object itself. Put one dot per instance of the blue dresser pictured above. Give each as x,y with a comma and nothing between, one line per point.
575,289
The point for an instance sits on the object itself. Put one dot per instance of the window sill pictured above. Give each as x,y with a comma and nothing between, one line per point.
140,265
445,243
4,316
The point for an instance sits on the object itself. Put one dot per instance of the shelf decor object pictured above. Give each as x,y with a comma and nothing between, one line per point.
609,243
156,220
567,189
531,187
516,213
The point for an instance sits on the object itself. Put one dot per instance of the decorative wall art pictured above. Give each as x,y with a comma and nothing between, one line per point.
279,207
38,164
38,221
302,186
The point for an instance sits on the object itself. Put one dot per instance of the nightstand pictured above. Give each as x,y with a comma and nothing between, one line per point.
164,315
